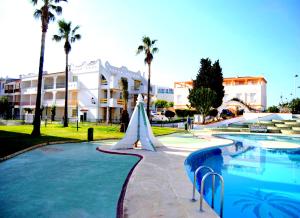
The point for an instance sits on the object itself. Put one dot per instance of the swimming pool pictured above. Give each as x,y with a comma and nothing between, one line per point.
67,180
258,182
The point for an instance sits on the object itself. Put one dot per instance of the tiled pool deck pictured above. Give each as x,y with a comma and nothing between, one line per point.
159,186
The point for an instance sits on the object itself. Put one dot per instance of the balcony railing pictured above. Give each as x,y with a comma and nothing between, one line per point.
120,101
103,82
48,86
27,103
60,85
103,100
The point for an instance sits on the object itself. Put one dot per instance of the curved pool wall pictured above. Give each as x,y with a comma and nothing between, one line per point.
67,180
258,182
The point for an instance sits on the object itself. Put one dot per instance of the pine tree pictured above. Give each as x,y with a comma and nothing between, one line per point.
210,76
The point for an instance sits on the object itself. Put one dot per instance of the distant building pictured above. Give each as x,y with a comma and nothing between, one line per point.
94,91
250,90
181,92
10,88
163,93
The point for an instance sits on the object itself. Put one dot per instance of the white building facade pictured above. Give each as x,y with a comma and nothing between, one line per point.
94,91
163,93
250,90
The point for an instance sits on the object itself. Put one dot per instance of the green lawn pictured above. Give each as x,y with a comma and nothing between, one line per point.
16,138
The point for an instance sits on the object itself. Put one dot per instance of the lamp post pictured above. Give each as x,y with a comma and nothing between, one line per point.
77,116
295,88
46,115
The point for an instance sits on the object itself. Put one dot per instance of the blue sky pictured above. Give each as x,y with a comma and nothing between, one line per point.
249,37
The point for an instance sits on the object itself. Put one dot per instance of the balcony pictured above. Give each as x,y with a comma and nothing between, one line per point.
48,102
27,104
104,82
48,86
114,84
29,90
103,102
115,102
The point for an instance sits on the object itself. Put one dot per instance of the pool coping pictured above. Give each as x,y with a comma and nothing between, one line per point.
120,213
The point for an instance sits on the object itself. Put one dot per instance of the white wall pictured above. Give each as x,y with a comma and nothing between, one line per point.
180,97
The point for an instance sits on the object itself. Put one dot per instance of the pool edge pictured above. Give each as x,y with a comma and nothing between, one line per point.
120,211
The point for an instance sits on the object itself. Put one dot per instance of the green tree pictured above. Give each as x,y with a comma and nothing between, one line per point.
170,104
273,109
46,14
149,49
69,35
210,76
169,114
124,115
4,107
161,103
294,106
202,100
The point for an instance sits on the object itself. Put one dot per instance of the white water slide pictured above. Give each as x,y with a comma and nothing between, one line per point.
139,129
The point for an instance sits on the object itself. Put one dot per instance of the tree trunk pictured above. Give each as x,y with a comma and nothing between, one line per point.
148,92
203,119
66,93
37,114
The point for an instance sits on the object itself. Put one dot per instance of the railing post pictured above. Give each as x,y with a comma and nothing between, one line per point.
213,174
195,178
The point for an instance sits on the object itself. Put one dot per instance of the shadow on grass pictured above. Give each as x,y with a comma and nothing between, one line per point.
11,142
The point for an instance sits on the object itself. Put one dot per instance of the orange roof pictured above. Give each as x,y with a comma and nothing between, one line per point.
183,84
245,78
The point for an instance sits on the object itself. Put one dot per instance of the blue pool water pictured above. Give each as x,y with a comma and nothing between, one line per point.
258,182
69,180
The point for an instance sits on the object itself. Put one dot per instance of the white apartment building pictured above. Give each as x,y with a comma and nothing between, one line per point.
250,90
11,89
181,92
94,91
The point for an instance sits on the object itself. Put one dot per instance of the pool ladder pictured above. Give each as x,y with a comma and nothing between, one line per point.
213,174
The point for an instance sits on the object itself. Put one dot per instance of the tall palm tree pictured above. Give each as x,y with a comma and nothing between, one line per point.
124,115
46,14
69,35
149,49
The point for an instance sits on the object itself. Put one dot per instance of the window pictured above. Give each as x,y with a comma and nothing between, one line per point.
75,78
226,97
253,97
137,84
179,99
74,112
239,96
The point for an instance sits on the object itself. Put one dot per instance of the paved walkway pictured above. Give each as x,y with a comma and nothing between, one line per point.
159,185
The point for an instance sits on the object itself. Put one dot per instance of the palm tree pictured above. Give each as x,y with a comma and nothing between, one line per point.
124,115
66,32
149,50
45,13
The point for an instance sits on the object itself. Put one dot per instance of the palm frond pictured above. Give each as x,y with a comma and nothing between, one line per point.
154,50
37,14
58,10
58,1
56,38
34,2
147,41
51,16
75,37
140,49
75,29
153,41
